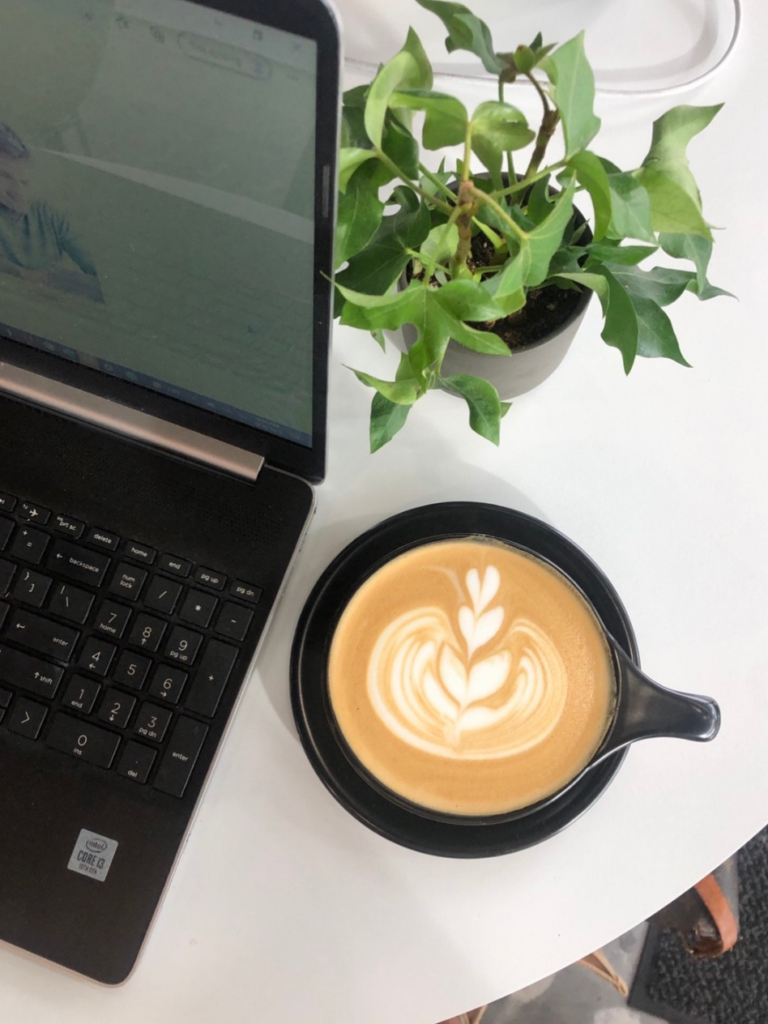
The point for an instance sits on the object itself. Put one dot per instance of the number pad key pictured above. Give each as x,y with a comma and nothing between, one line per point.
128,581
81,739
183,645
167,684
96,656
81,694
116,708
131,670
136,762
71,603
234,621
198,608
147,632
32,587
152,722
162,595
112,619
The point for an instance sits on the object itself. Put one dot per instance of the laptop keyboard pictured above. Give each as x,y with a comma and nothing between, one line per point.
112,652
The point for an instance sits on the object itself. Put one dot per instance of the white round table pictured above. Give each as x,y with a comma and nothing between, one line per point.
286,909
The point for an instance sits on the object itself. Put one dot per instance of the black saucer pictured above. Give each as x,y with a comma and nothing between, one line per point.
310,656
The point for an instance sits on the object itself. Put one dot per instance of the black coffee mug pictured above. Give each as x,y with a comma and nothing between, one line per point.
643,709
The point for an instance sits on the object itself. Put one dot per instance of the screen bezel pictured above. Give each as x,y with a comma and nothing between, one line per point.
311,19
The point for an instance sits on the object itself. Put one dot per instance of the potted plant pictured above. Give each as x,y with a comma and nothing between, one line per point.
490,273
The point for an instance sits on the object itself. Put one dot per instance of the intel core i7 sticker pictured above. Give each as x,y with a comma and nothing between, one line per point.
92,855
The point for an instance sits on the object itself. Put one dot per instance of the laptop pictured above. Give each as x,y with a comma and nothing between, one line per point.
167,178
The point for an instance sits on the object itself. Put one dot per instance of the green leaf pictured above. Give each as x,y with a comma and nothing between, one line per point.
441,174
386,419
546,237
573,92
408,69
445,122
709,291
506,288
353,134
671,134
621,327
539,204
594,281
591,174
689,247
401,392
437,314
656,336
525,59
505,407
630,208
482,399
566,260
439,245
350,159
663,285
672,208
376,268
465,32
399,145
625,255
498,128
359,214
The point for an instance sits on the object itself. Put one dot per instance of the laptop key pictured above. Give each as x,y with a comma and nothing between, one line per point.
136,761
5,698
183,645
198,608
147,632
96,656
6,529
7,572
81,739
152,722
210,578
131,670
112,619
4,609
42,635
172,564
128,581
29,545
180,756
167,684
78,564
102,539
27,718
116,708
71,603
139,552
7,502
32,587
29,673
234,621
162,595
211,678
245,591
67,525
81,694
34,513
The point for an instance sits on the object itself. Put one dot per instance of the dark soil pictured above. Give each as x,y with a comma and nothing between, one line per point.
544,311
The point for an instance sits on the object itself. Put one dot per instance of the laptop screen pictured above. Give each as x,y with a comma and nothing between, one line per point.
157,190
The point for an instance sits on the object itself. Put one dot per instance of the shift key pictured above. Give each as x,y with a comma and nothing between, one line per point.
28,673
78,564
42,635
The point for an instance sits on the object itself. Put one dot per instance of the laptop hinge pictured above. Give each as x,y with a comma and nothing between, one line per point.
132,423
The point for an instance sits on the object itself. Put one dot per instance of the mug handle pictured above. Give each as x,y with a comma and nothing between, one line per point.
647,710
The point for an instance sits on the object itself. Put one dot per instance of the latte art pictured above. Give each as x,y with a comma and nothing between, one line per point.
478,687
470,677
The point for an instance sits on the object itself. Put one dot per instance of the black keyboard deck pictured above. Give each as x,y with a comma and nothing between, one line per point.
110,651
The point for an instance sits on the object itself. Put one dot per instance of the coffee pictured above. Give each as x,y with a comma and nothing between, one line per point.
470,677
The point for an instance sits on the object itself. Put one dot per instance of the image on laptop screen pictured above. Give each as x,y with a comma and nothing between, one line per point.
157,200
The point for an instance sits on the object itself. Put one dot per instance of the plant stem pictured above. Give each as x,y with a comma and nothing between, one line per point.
528,181
542,95
467,152
483,197
466,207
437,183
546,131
411,184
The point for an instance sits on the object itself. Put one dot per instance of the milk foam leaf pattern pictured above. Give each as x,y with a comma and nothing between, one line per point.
573,91
482,593
465,32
